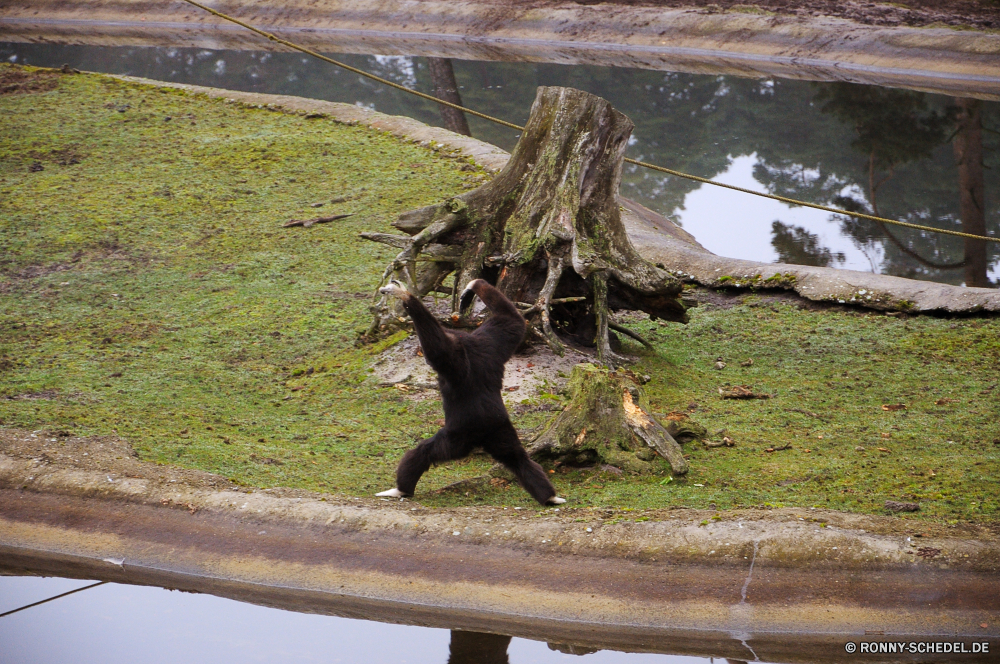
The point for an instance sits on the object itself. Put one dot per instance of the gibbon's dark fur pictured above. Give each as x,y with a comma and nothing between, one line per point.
470,373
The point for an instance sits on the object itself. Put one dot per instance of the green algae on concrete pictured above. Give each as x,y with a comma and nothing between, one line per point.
148,290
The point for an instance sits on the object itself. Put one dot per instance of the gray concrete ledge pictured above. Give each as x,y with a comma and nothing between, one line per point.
657,240
956,62
793,583
655,237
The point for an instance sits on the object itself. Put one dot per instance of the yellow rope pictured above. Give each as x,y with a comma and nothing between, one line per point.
793,201
511,125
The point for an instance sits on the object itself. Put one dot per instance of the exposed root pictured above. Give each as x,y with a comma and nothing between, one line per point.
543,304
629,333
605,356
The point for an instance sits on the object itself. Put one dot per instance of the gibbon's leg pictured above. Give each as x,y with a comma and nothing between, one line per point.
441,351
512,454
436,449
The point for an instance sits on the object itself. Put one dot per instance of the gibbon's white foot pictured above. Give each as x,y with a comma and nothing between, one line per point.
392,493
394,289
555,500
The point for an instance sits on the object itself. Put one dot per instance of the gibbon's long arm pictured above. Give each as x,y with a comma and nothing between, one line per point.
445,355
506,327
442,352
491,297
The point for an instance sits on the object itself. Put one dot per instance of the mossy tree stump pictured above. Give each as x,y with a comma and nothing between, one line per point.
607,421
546,231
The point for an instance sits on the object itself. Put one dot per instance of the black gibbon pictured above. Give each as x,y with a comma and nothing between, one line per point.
470,373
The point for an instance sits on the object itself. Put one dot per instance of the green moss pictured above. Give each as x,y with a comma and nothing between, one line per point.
150,291
750,9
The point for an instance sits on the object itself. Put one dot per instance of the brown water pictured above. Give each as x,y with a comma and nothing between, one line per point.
888,151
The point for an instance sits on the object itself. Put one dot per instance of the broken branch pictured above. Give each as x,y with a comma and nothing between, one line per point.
306,223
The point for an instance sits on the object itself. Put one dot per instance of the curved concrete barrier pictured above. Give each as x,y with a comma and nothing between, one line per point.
789,585
948,61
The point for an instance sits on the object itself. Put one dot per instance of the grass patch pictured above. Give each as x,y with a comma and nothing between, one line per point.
147,289
830,373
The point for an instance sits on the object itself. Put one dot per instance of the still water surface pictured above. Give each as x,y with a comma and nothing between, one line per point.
139,624
877,150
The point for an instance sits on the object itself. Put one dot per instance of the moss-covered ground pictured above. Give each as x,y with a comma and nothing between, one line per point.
149,290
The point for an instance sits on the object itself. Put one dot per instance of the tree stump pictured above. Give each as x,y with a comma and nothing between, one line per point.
546,231
607,421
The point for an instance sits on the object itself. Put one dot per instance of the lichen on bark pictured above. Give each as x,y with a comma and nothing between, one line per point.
607,421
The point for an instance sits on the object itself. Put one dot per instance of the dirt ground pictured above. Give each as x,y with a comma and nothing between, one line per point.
966,13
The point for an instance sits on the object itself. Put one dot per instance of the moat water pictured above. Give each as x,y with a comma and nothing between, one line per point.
881,150
114,623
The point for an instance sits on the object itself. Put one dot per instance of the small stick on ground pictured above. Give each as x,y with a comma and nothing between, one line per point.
306,223
806,412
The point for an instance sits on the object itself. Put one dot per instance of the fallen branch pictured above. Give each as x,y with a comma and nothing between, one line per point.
306,223
807,412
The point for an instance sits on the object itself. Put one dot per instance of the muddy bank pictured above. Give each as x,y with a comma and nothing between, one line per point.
804,45
917,13
682,581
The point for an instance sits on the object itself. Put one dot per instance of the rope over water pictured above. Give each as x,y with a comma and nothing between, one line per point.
511,125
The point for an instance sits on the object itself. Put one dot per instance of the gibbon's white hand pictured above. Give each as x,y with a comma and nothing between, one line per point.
394,289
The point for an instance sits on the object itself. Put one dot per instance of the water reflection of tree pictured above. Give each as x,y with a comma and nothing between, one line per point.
968,148
798,246
900,166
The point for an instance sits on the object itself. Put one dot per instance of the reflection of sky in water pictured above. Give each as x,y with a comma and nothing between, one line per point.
811,141
135,625
733,224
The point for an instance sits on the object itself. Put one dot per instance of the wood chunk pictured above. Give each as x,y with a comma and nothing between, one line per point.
306,223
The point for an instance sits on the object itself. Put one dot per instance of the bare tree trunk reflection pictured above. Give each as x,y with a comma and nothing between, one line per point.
477,648
446,88
968,146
